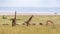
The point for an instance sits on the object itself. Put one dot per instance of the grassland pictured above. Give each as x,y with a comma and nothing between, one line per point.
31,29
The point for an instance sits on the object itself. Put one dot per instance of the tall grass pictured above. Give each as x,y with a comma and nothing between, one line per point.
31,29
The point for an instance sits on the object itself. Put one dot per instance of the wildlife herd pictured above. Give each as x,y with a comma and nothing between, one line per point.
27,23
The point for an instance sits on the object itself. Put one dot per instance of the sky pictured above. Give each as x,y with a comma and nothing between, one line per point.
29,3
31,6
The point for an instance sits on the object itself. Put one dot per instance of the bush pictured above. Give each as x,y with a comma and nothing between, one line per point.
23,24
11,19
4,17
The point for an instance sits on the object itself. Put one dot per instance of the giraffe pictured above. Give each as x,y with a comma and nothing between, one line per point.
27,22
14,20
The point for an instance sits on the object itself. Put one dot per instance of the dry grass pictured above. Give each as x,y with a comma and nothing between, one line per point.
32,29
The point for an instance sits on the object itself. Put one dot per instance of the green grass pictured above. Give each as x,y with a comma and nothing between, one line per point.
31,29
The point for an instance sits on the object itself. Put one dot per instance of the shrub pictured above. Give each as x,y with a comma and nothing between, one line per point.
23,24
11,19
4,17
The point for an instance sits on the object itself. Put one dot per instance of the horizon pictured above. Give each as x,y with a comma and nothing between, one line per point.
18,13
30,9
